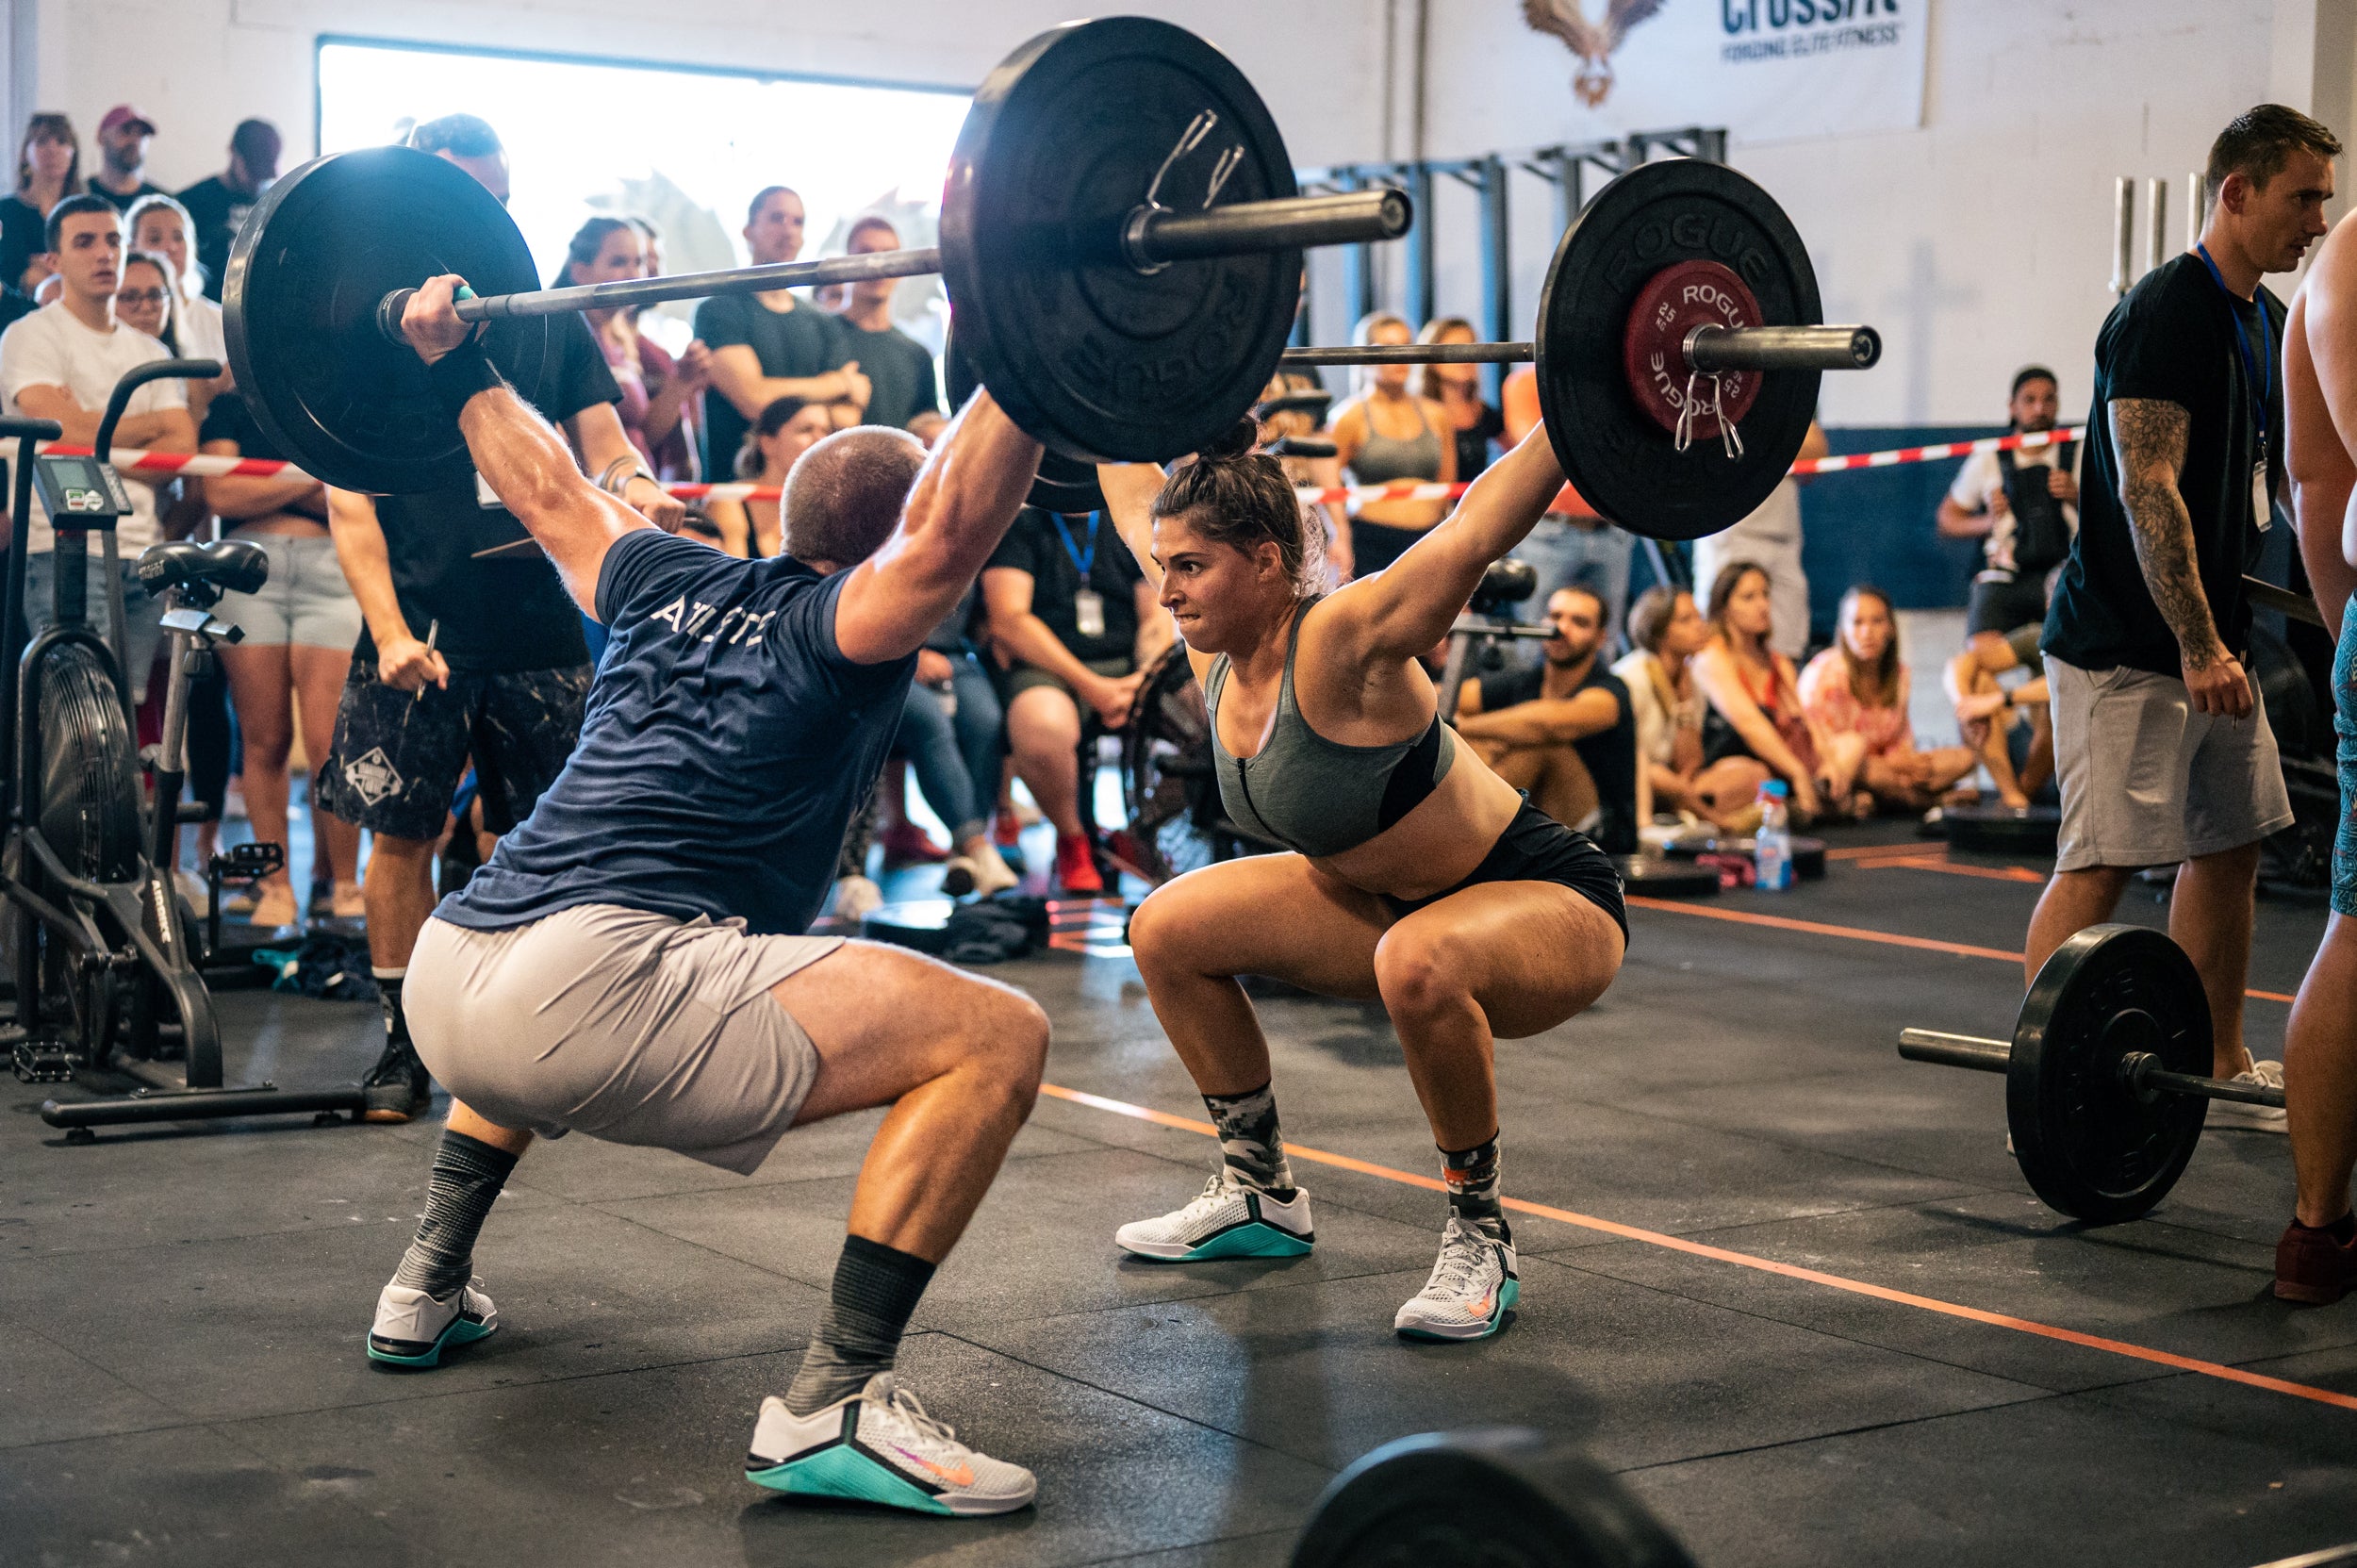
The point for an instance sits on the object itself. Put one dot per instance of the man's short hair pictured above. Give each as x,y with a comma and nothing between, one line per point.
846,494
2028,373
459,135
1584,592
256,141
873,221
53,233
2257,143
760,199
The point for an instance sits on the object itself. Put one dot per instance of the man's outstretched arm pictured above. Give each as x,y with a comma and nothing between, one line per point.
518,454
967,494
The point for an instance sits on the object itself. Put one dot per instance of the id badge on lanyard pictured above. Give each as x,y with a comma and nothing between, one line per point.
1088,613
1088,605
2259,374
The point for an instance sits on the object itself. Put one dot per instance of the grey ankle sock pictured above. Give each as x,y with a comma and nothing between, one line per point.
1250,1141
1472,1175
876,1289
468,1176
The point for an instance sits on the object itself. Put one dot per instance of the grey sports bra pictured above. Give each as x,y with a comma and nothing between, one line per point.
1383,459
1315,795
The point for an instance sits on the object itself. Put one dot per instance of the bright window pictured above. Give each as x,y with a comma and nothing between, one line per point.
686,148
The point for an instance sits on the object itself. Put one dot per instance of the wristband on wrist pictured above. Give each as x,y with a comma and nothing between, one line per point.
459,374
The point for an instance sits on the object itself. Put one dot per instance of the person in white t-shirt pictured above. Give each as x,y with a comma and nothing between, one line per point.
2023,506
61,363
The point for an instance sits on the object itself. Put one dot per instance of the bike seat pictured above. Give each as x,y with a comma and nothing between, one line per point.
236,566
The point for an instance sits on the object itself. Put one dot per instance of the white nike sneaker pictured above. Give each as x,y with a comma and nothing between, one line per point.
1226,1219
2256,1118
1471,1289
413,1328
879,1445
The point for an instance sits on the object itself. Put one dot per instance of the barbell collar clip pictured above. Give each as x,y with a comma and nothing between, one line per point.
1783,348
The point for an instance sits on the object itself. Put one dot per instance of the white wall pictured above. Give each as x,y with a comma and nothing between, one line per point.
1978,241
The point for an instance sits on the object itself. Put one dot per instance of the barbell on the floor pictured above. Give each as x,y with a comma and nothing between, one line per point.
1510,1498
2106,1076
1121,237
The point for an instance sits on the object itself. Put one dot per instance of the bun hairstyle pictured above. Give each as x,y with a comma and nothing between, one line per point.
1237,495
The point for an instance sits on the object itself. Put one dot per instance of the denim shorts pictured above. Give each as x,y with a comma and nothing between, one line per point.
306,599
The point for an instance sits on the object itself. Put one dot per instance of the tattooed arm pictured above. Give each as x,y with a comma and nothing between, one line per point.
2149,437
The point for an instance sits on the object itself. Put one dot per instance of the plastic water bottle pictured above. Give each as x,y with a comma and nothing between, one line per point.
1771,844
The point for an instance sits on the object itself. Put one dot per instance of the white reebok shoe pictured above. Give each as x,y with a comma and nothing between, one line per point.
879,1445
413,1328
1472,1287
1226,1219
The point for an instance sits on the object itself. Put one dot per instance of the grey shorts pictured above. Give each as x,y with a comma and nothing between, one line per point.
305,600
2145,781
631,1026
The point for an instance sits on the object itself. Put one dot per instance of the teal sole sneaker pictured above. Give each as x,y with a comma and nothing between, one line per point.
1226,1219
413,1328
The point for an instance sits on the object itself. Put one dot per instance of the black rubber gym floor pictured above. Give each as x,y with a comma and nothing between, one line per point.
1765,1360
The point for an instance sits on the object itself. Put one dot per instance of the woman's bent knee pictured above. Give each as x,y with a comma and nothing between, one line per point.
1418,975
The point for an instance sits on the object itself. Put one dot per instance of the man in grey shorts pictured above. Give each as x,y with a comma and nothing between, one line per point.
630,963
2161,741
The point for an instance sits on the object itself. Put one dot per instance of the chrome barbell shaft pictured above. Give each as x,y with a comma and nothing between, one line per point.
1708,348
2142,1070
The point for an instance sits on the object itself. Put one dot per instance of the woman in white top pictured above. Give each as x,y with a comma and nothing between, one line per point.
160,225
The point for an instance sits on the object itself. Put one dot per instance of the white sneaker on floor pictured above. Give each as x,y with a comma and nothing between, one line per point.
1226,1219
1472,1288
413,1328
992,874
855,898
879,1445
2255,1119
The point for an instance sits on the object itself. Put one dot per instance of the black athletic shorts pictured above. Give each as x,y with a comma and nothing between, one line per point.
397,755
1537,847
2003,601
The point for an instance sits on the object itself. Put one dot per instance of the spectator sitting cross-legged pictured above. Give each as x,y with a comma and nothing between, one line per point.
1857,695
898,369
61,363
768,345
787,428
1668,631
658,391
300,630
219,203
48,170
1566,731
1073,618
1756,710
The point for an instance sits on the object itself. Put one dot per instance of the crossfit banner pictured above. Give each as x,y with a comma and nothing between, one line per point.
1767,70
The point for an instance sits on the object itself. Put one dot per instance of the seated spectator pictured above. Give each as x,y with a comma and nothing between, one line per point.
786,429
659,392
122,173
2011,728
1857,695
1073,620
1668,630
1472,422
900,369
1383,435
158,223
1756,711
1566,731
769,345
219,203
300,631
48,170
61,363
952,735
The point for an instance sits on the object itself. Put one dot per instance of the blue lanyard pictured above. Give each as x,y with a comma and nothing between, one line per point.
1079,561
2263,381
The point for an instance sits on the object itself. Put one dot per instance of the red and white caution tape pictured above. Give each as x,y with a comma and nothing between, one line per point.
130,460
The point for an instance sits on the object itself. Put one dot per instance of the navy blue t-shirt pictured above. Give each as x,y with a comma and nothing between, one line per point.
726,743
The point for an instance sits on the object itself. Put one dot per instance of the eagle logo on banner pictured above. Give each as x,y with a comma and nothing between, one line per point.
1593,42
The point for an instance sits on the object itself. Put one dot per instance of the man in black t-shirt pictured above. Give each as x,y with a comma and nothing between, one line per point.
898,370
472,648
2161,741
771,345
1565,731
218,203
1074,622
121,176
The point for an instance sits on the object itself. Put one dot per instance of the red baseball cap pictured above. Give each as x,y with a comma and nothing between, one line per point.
124,114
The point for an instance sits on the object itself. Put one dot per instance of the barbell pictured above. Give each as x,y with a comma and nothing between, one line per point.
2107,1075
1121,239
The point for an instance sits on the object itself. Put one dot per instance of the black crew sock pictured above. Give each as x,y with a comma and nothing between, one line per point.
875,1288
2343,1230
1472,1175
1250,1141
468,1175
